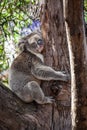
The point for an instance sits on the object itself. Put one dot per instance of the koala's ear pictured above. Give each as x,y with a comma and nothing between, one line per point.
21,45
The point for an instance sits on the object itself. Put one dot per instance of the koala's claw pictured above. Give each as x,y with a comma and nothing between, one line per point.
50,99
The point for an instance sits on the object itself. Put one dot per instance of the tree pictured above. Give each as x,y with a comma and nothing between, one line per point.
56,116
78,61
21,116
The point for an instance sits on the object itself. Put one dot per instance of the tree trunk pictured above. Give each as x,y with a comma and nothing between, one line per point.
16,115
56,56
73,11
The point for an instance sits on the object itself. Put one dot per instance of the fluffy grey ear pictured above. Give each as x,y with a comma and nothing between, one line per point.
21,45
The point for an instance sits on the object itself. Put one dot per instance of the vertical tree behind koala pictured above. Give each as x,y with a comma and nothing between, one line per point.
53,29
56,56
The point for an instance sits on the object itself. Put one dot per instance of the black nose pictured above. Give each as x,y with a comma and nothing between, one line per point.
40,42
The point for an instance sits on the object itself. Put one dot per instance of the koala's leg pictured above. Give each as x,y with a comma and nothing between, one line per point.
33,92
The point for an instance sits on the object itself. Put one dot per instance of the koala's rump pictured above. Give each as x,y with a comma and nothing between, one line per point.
17,80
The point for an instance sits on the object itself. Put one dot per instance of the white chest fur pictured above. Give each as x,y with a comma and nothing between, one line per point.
40,56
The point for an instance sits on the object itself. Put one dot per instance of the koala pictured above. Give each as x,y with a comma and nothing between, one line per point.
28,70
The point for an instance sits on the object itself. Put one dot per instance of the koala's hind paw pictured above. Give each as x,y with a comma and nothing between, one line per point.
50,99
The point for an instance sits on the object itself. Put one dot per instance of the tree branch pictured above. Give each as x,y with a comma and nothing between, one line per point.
15,114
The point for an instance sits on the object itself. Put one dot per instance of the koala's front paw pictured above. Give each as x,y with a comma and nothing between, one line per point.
66,77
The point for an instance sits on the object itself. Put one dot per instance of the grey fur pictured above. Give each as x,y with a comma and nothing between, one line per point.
27,71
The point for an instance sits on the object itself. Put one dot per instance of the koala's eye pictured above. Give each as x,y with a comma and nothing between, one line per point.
40,42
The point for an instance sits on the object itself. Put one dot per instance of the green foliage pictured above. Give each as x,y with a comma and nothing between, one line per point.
3,61
13,16
85,10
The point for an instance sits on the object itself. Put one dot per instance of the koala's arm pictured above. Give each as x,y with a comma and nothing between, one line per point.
44,72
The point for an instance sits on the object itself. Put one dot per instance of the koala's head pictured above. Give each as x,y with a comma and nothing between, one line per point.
33,43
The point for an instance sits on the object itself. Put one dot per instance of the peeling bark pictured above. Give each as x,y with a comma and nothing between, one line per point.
73,12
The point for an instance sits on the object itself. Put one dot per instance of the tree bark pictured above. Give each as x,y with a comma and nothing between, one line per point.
16,115
56,56
74,21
